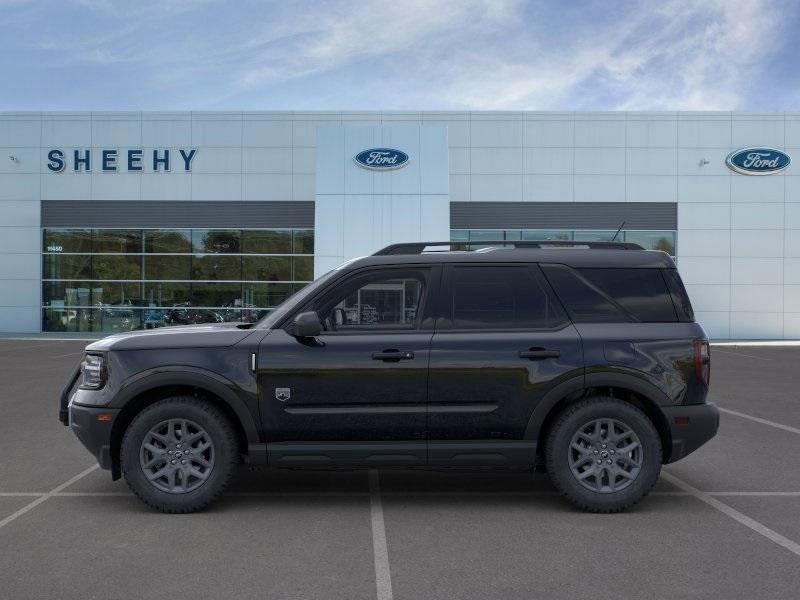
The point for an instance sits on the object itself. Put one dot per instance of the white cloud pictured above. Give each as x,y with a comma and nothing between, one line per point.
684,56
473,54
325,38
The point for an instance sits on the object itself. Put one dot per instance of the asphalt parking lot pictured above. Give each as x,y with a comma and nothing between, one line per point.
723,523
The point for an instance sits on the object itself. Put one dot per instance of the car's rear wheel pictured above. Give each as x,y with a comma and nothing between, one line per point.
179,454
603,454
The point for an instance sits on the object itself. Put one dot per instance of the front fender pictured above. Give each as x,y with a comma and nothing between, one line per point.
244,405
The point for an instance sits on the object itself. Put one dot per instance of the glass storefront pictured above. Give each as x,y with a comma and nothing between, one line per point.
107,280
649,240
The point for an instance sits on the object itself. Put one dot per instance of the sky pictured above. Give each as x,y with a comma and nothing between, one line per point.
399,55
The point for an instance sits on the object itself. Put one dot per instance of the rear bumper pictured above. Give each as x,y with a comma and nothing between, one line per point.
691,426
94,434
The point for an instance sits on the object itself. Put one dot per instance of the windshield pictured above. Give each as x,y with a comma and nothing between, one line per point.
285,307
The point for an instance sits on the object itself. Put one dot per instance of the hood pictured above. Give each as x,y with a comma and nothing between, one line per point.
215,335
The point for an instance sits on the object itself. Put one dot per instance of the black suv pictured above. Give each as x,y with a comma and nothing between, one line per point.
584,357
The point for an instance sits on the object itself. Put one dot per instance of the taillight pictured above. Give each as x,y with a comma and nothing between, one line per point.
702,361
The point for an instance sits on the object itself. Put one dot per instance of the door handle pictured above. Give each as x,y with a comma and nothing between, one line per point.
538,353
393,355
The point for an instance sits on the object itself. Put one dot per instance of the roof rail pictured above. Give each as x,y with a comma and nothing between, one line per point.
419,247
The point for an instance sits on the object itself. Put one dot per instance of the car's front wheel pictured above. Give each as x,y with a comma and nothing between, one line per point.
179,454
603,454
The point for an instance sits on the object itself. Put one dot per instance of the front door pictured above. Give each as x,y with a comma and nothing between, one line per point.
502,342
357,392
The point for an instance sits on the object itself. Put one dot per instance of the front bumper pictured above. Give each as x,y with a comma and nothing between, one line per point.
93,427
691,426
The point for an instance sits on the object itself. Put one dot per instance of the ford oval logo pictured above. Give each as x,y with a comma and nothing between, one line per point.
758,161
381,159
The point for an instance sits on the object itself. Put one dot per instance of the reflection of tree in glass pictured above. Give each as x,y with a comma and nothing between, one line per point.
220,241
664,244
167,240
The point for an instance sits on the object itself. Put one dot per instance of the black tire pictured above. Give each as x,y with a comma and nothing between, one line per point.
218,431
566,464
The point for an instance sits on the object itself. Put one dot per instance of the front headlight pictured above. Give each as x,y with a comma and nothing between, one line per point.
93,370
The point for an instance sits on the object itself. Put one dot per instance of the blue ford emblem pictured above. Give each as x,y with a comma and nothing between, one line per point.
758,161
381,159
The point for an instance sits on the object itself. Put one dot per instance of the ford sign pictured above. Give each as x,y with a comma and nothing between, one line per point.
757,161
381,159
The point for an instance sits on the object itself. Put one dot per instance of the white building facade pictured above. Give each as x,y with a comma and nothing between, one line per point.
117,221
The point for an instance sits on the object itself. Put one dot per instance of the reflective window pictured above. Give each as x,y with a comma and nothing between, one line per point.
267,268
641,292
584,302
501,297
217,240
107,280
649,240
158,241
67,266
303,268
167,293
117,240
160,266
214,267
555,234
378,300
653,240
597,236
67,240
303,241
267,294
267,242
116,266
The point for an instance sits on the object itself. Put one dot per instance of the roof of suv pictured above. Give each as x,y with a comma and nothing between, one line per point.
578,254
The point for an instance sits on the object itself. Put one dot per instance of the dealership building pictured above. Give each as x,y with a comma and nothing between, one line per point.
111,221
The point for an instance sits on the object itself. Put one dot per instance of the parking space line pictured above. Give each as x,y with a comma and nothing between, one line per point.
741,354
21,348
67,354
31,505
88,340
383,577
734,514
757,494
408,494
760,420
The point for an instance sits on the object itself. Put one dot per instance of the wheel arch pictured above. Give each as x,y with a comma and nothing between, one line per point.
150,387
623,386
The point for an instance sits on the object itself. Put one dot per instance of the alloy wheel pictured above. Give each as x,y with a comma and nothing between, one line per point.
605,455
177,456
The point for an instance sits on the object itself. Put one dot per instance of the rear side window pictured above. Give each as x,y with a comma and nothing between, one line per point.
603,295
679,296
641,292
494,297
585,303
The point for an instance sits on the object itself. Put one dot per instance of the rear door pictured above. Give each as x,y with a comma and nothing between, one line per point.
502,342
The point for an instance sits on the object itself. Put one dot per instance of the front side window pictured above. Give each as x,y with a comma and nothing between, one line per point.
381,300
500,297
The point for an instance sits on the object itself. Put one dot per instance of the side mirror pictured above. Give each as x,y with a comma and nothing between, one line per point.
306,325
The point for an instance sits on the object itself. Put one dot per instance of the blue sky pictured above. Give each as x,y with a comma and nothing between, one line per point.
400,54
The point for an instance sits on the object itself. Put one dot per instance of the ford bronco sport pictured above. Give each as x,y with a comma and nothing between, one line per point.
583,357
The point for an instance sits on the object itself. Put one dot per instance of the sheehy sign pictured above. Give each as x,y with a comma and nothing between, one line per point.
112,160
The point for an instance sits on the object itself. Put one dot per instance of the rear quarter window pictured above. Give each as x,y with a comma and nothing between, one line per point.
609,295
679,296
